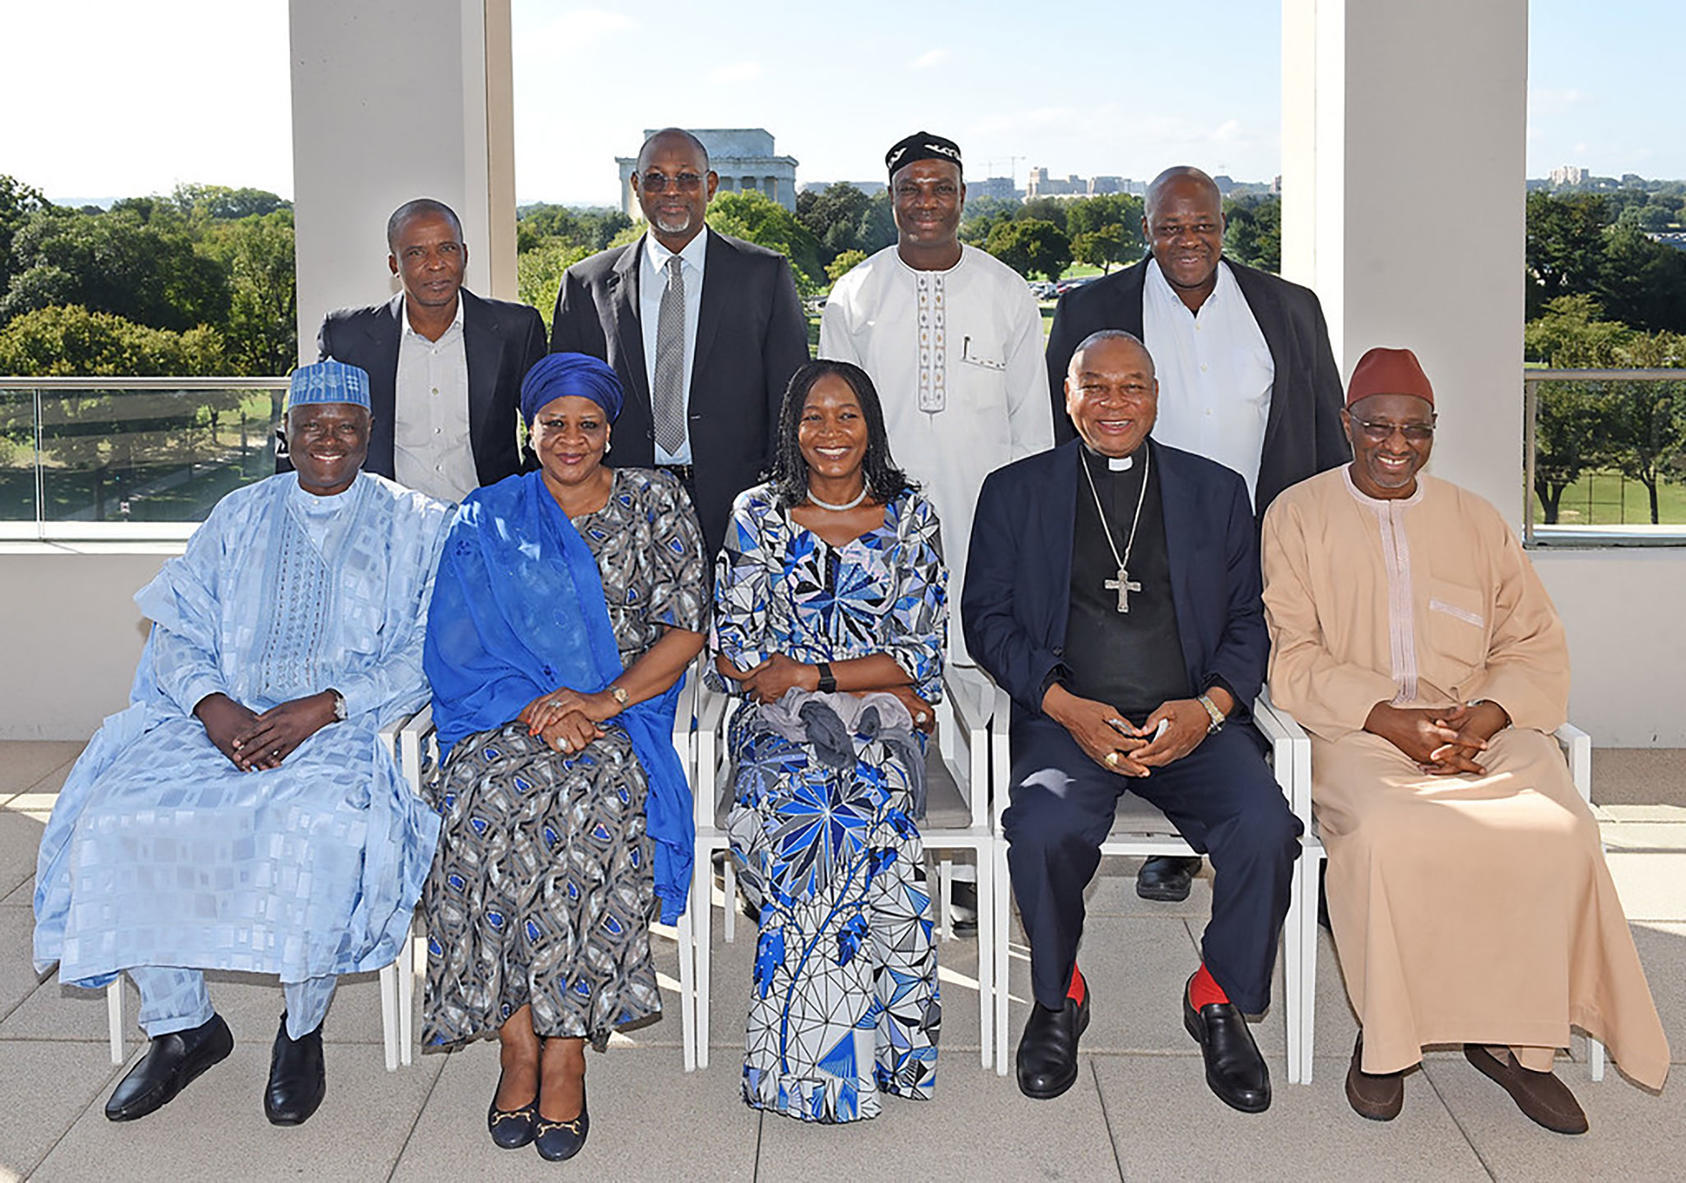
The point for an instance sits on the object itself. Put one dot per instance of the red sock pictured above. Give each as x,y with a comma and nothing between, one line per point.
1203,989
1077,990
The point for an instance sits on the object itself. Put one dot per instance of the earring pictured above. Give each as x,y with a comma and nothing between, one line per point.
605,445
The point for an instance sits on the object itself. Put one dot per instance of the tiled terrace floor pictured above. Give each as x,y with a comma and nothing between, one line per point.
1139,1110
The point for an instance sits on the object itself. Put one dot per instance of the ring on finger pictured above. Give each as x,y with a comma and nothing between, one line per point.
1112,759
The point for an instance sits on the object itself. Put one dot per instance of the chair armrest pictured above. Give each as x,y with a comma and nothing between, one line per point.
712,708
407,736
1577,747
1291,754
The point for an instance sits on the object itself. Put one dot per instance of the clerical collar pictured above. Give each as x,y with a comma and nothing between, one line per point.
1115,463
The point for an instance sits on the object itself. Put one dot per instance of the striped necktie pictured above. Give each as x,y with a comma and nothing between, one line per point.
667,398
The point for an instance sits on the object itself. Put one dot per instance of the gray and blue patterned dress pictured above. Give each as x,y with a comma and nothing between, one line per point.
542,890
844,1004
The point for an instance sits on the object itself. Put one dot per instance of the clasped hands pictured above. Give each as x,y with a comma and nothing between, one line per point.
1116,744
768,682
254,742
1443,741
567,719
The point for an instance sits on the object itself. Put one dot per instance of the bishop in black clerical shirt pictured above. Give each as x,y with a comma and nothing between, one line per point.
1102,623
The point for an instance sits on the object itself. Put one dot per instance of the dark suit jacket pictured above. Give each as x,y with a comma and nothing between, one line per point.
501,340
751,337
1303,434
1017,597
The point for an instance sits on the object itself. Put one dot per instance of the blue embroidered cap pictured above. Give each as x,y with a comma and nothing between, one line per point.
328,382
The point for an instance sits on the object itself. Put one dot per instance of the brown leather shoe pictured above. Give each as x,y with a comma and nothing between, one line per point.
1541,1096
1378,1097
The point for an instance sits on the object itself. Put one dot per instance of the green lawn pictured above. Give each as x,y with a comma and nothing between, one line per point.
1609,499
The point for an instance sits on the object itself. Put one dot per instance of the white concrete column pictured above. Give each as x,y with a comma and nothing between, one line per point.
1403,143
395,99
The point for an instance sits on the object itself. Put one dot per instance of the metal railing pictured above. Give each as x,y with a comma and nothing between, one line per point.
126,458
1612,428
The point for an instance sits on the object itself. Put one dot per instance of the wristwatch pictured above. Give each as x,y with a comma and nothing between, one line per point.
339,707
1205,700
828,684
619,694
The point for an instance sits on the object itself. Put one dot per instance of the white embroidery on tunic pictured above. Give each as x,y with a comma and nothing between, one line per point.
1463,614
933,345
1401,606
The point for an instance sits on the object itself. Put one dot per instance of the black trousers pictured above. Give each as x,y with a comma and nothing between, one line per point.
1222,799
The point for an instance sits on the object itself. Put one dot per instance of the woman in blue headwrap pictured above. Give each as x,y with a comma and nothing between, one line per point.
568,603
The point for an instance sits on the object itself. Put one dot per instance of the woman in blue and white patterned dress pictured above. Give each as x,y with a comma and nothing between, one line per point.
831,618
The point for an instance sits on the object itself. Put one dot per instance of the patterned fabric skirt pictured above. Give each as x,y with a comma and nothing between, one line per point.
844,1004
541,891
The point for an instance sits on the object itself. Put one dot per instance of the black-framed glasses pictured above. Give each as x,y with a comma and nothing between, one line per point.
654,182
1380,433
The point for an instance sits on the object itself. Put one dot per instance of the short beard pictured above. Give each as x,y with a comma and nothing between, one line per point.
674,227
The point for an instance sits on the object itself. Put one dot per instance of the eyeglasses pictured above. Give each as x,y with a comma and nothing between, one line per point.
659,182
1380,433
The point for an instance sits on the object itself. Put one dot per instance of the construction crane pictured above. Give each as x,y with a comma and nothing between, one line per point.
1012,168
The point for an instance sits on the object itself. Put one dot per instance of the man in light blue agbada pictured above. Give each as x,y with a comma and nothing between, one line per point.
242,814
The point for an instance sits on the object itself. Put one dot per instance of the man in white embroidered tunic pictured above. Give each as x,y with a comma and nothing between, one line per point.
242,813
1467,888
952,339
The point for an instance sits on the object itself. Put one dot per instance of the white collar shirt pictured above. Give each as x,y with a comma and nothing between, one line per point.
652,282
1215,372
431,449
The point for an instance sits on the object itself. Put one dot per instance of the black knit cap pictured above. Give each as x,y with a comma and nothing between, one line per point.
921,145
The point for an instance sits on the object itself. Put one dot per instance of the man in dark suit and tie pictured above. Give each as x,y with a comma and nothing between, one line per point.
444,365
704,331
1113,592
1246,375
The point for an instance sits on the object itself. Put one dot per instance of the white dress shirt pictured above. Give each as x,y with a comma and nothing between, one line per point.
1215,372
652,282
431,451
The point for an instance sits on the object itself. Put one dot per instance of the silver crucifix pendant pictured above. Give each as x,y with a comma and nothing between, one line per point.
1123,587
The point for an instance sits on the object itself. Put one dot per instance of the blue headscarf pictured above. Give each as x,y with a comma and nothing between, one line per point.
558,375
518,610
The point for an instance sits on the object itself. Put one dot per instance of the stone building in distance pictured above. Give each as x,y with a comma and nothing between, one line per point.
744,159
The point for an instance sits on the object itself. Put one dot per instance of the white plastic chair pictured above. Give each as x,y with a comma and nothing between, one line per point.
1139,829
397,980
1577,749
957,818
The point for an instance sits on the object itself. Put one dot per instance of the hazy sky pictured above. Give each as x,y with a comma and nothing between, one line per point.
106,98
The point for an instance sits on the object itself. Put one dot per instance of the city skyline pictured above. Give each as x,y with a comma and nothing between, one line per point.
975,73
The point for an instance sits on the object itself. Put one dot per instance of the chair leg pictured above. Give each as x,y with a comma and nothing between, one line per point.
1003,976
986,958
1308,963
407,999
731,878
1292,966
114,1017
945,888
702,936
688,987
389,1013
1595,1058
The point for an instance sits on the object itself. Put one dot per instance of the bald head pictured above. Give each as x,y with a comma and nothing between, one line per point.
1111,393
1181,177
1111,339
669,138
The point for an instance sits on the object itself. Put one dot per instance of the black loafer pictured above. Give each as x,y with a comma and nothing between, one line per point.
298,1079
1047,1058
1166,878
170,1065
1234,1069
511,1129
558,1140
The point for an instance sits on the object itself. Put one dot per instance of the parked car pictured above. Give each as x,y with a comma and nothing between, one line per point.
1065,285
1042,289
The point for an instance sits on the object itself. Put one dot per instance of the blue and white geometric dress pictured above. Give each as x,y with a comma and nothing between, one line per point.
844,1004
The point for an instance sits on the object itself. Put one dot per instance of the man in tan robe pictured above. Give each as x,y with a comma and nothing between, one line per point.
1467,887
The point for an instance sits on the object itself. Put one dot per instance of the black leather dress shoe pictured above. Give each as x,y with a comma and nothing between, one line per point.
1234,1069
170,1064
298,1079
558,1140
1166,878
1047,1059
511,1129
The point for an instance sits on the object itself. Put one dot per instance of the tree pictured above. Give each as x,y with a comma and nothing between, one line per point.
982,215
76,342
1564,245
1253,230
1030,246
1646,421
843,264
17,202
757,219
262,326
538,273
835,218
1116,218
222,204
133,264
1100,248
1569,429
1642,283
592,229
1043,209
